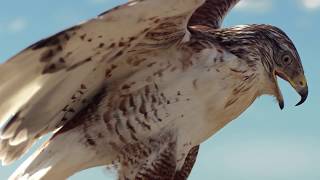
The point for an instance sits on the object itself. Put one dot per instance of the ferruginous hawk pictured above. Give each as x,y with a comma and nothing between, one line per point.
137,88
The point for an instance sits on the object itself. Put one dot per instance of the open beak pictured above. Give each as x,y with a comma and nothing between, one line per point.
303,93
299,83
278,91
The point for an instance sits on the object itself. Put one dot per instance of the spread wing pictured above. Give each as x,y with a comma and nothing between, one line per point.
188,164
49,82
212,13
46,84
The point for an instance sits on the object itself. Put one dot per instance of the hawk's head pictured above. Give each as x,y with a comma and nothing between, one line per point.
273,48
283,61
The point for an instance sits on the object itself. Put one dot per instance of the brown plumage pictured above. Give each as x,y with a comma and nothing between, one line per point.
211,13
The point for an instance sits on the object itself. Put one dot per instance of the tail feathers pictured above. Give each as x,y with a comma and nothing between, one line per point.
9,153
59,158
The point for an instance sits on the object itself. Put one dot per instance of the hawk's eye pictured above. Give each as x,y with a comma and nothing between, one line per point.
286,59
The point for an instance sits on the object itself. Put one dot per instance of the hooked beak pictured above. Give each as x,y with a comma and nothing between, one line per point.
303,93
299,83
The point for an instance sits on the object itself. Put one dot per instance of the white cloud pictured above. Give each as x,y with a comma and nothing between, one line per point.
254,5
311,4
17,25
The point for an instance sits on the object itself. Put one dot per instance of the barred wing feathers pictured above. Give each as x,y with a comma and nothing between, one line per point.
212,13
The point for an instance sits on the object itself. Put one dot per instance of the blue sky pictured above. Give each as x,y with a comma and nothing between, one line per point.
264,143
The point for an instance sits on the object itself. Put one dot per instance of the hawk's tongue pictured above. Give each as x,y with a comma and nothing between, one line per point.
281,75
278,91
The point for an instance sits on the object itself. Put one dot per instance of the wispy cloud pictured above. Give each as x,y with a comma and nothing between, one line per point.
311,4
17,25
254,5
262,6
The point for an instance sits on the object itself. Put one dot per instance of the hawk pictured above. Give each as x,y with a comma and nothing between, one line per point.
138,88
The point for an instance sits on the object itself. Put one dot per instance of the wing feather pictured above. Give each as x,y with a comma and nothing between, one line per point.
188,164
212,13
49,82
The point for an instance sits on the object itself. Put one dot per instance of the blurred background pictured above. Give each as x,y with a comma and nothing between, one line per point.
265,143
